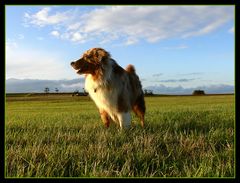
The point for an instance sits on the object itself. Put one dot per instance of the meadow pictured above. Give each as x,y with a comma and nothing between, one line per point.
63,136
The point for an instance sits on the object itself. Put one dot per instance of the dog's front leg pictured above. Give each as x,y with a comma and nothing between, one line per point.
105,118
124,120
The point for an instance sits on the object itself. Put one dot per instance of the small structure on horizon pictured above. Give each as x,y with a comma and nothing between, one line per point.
77,93
198,92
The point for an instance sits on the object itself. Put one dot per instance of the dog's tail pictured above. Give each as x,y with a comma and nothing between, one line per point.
130,69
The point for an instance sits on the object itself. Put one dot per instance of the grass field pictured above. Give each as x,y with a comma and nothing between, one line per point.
63,136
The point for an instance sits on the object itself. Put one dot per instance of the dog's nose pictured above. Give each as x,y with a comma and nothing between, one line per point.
72,63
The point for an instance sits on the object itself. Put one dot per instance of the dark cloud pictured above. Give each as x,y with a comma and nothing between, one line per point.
191,74
179,90
157,75
177,80
32,85
35,85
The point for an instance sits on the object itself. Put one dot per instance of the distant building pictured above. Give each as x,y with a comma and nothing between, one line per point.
198,92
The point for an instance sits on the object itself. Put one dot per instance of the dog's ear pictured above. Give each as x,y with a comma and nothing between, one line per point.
97,55
102,55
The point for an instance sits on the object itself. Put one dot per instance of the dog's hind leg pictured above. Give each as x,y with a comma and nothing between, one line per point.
139,112
105,118
139,109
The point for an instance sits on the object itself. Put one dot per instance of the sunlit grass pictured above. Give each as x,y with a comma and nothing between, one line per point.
64,137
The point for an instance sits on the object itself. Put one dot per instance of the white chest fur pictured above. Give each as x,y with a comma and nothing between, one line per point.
104,97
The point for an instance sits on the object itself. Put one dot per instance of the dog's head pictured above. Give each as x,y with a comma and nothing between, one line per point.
91,61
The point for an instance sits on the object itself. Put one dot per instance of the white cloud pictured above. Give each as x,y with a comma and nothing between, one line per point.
20,36
131,24
179,47
131,41
75,85
208,28
74,26
232,30
55,33
77,37
42,18
10,45
34,64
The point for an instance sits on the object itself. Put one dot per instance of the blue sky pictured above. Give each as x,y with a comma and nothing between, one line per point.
185,46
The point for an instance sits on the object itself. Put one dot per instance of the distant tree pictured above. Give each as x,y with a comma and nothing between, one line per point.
148,92
56,90
198,92
46,90
145,92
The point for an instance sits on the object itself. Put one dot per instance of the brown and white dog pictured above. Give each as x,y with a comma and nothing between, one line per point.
114,90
